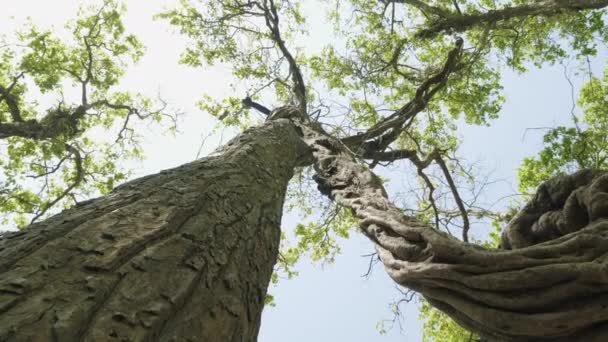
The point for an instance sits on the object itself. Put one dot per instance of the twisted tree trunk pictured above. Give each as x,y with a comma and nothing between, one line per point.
554,286
183,255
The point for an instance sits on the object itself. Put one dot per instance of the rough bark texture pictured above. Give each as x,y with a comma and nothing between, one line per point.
554,288
183,255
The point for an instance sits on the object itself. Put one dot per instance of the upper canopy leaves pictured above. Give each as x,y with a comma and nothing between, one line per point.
568,149
385,82
54,153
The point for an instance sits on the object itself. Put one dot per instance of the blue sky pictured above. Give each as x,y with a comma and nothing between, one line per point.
325,302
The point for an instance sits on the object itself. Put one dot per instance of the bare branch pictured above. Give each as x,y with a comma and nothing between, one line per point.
76,180
463,211
271,17
422,6
249,103
373,259
51,170
134,111
455,3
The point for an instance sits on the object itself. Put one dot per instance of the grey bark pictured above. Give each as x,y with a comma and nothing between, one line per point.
182,255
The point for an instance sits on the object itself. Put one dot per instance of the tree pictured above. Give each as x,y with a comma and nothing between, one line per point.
188,253
55,158
566,150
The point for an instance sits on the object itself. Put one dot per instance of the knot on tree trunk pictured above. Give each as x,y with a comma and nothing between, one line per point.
562,205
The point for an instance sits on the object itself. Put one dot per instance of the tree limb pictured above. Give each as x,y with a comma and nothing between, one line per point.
463,211
462,22
455,3
551,287
390,127
272,22
60,121
10,99
388,156
249,103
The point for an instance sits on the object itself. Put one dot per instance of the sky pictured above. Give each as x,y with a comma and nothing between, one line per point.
331,302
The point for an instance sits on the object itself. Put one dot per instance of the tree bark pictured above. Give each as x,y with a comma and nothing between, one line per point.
552,284
182,255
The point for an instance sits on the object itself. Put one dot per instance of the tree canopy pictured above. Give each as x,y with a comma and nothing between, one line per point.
58,97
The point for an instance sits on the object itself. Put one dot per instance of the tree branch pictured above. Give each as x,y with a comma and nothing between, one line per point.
49,171
76,180
455,3
388,156
11,100
459,23
249,103
390,127
60,121
272,22
505,295
463,211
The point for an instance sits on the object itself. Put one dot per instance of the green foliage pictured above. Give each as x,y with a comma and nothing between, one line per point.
439,327
235,34
317,238
229,110
269,300
567,149
370,64
60,153
97,51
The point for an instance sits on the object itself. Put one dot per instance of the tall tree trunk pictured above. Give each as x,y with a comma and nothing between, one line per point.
182,255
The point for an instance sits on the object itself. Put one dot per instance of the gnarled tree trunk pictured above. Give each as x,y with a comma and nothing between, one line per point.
552,286
183,255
